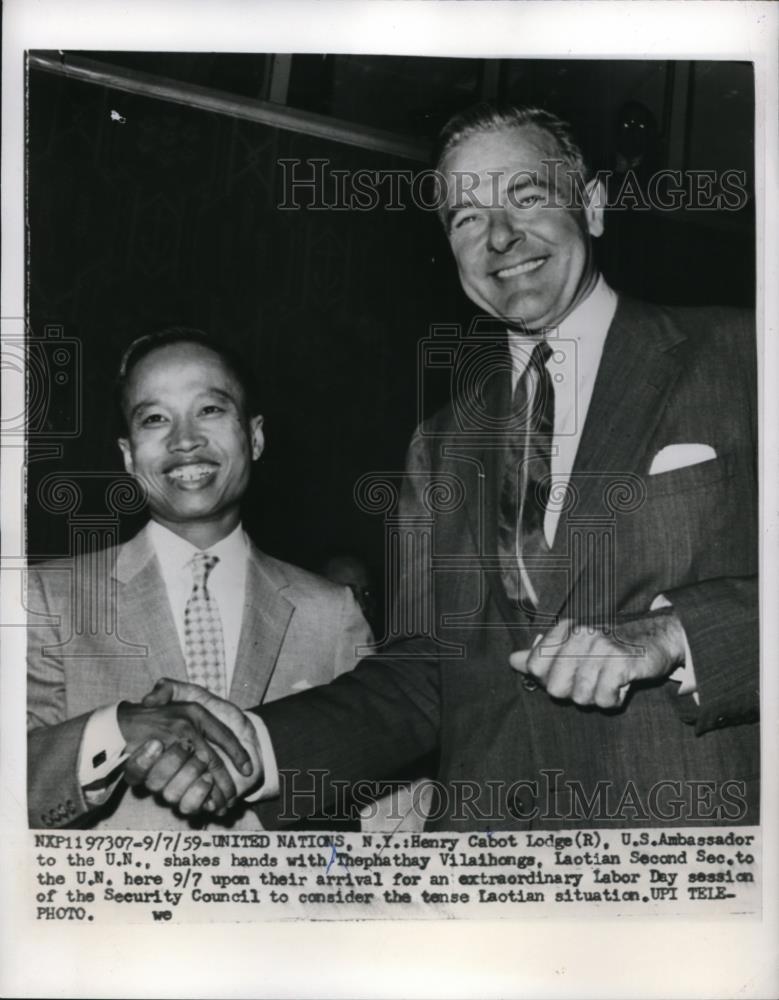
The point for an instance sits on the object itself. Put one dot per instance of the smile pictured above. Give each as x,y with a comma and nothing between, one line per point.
524,268
195,473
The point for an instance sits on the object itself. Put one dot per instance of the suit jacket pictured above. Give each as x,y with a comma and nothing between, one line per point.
510,757
101,630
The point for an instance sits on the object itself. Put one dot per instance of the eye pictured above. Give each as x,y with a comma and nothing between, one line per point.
151,419
463,219
525,201
212,409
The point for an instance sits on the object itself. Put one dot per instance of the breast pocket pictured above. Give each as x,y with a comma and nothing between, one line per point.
695,523
691,477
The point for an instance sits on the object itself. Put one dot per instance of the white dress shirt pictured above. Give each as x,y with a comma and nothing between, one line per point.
102,738
577,346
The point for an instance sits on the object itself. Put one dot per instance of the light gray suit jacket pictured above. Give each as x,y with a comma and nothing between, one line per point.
101,630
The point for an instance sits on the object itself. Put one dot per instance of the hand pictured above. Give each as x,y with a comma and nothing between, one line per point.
178,771
183,731
590,667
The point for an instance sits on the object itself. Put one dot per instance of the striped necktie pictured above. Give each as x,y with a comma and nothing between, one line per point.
526,480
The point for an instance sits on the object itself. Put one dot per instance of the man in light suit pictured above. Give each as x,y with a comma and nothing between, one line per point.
252,629
593,584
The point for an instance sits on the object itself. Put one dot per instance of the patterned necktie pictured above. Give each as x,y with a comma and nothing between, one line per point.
526,480
203,638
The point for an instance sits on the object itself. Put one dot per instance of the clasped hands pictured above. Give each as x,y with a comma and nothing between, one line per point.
195,750
201,753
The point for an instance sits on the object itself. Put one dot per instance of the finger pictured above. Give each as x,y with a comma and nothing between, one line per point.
174,758
201,796
184,691
585,681
223,790
559,681
140,763
182,779
220,735
223,781
161,694
610,683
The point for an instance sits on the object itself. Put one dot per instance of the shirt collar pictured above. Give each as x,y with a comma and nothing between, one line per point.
587,326
174,552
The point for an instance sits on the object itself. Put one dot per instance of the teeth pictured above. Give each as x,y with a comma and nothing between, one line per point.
530,265
191,473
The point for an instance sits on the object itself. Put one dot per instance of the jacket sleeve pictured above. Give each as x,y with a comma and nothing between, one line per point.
720,619
54,795
369,723
721,616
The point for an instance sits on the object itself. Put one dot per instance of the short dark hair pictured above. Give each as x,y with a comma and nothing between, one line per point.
141,347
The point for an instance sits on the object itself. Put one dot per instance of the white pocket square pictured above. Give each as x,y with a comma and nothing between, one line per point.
301,685
679,456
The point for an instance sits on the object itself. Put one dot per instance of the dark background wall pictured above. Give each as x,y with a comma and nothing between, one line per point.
170,216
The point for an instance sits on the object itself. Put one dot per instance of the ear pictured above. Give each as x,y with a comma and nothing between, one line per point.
127,455
258,438
595,206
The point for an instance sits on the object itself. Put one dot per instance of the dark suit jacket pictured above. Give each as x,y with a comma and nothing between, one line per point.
101,630
682,376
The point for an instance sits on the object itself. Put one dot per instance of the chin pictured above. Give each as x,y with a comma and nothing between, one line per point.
523,310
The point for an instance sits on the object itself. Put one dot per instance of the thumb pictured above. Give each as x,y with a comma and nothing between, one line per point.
164,691
518,660
167,689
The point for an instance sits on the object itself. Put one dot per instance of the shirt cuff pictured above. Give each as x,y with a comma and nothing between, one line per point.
101,752
683,675
270,786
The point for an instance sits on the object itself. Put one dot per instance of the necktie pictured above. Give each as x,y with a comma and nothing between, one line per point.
203,637
526,480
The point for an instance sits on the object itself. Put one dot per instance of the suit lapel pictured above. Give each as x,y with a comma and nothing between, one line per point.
638,370
266,617
145,616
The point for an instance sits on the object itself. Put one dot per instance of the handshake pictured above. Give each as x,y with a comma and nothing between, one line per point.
196,751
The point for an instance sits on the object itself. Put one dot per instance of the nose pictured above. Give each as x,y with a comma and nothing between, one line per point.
504,231
185,436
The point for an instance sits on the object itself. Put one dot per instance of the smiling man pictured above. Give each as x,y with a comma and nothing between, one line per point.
189,595
523,255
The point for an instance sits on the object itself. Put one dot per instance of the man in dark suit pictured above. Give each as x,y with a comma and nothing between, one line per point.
593,657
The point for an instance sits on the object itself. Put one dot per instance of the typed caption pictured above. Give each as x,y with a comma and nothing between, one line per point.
228,876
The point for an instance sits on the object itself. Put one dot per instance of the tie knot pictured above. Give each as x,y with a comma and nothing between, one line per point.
202,564
532,405
541,354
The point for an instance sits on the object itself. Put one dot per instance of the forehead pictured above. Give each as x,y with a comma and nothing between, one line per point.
180,368
518,147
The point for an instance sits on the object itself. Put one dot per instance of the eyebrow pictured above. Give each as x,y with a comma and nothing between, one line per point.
521,182
525,181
